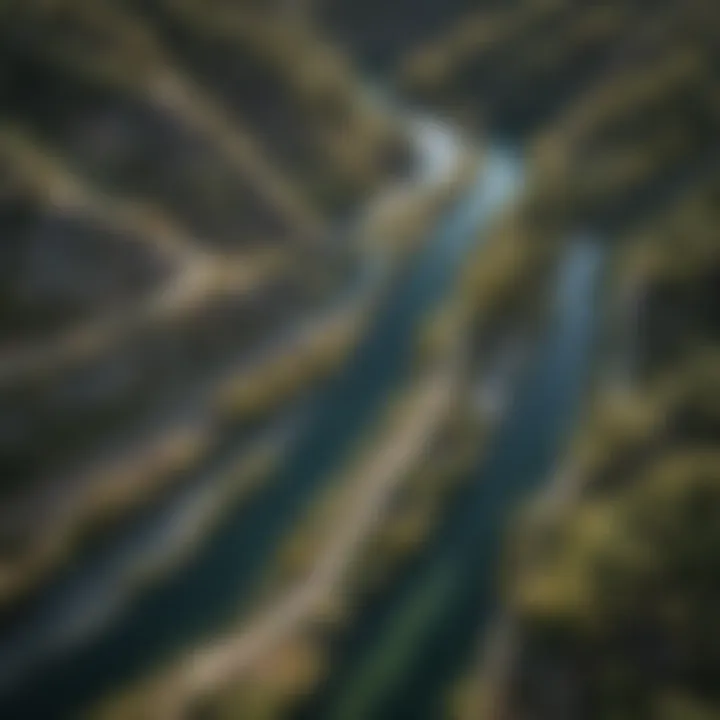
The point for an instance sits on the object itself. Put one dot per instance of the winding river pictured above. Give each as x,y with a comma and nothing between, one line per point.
215,585
414,642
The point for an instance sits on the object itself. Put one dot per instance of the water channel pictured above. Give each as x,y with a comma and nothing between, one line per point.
416,639
209,591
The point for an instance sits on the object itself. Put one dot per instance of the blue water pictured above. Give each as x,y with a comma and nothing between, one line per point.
416,640
211,589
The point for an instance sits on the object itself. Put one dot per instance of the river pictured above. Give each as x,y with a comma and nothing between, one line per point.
214,586
415,640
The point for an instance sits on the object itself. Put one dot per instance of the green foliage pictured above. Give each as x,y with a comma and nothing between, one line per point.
618,588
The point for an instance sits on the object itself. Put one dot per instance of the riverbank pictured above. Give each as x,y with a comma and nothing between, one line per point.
647,409
390,472
286,627
636,455
248,663
389,232
405,654
270,501
344,522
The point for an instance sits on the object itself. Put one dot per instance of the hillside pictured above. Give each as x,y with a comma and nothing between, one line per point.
173,184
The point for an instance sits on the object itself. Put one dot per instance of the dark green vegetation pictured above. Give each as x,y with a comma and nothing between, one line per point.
615,594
